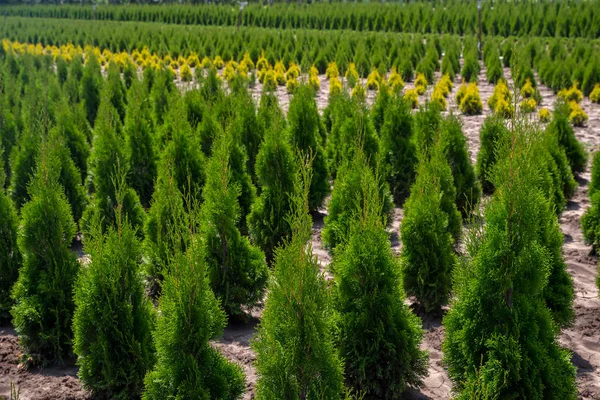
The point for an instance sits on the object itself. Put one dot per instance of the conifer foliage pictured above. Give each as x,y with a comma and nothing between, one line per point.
500,337
187,366
427,234
113,317
10,256
276,171
304,125
379,337
492,133
296,357
237,269
43,296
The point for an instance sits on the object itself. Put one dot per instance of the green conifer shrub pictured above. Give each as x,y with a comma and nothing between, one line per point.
108,166
187,366
237,269
500,337
113,317
398,151
590,222
43,299
140,145
378,335
427,257
276,170
561,128
347,199
91,84
248,129
296,358
75,139
304,125
379,109
467,186
493,131
116,88
10,256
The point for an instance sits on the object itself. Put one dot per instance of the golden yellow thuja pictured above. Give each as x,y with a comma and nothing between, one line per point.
358,92
460,94
293,72
412,97
185,72
218,62
544,115
528,105
352,76
421,83
313,78
395,81
332,71
438,97
595,95
229,71
335,86
573,94
292,84
206,63
262,63
577,116
280,73
471,101
269,81
373,80
527,90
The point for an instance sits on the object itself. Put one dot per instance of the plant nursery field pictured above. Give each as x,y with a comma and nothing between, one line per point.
300,201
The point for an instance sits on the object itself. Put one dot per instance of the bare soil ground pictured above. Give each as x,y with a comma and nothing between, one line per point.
583,338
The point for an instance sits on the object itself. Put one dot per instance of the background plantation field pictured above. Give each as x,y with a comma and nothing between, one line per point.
327,202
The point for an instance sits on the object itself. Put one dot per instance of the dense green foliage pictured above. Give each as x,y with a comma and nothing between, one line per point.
562,129
500,337
493,131
113,317
379,337
237,269
43,294
296,357
187,366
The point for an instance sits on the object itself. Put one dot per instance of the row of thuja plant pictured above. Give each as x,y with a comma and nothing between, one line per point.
561,19
558,61
201,191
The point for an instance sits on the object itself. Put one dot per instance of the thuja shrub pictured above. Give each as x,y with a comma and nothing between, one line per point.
590,222
91,84
304,130
347,198
427,257
237,269
561,128
116,88
380,348
378,110
108,165
492,133
276,171
187,366
488,348
398,152
295,353
138,133
468,190
10,255
74,137
113,317
43,294
248,129
471,104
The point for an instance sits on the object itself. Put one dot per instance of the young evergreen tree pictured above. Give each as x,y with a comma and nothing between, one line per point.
296,358
427,257
500,337
398,152
237,269
91,84
139,141
347,199
561,128
10,256
467,187
270,113
108,165
381,107
379,337
116,89
492,132
113,317
75,139
247,128
187,366
304,126
43,299
276,170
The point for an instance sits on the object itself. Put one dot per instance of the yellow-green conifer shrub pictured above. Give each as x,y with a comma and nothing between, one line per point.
577,116
373,80
352,76
461,92
528,105
595,94
412,97
527,90
544,115
332,71
471,102
318,372
395,81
